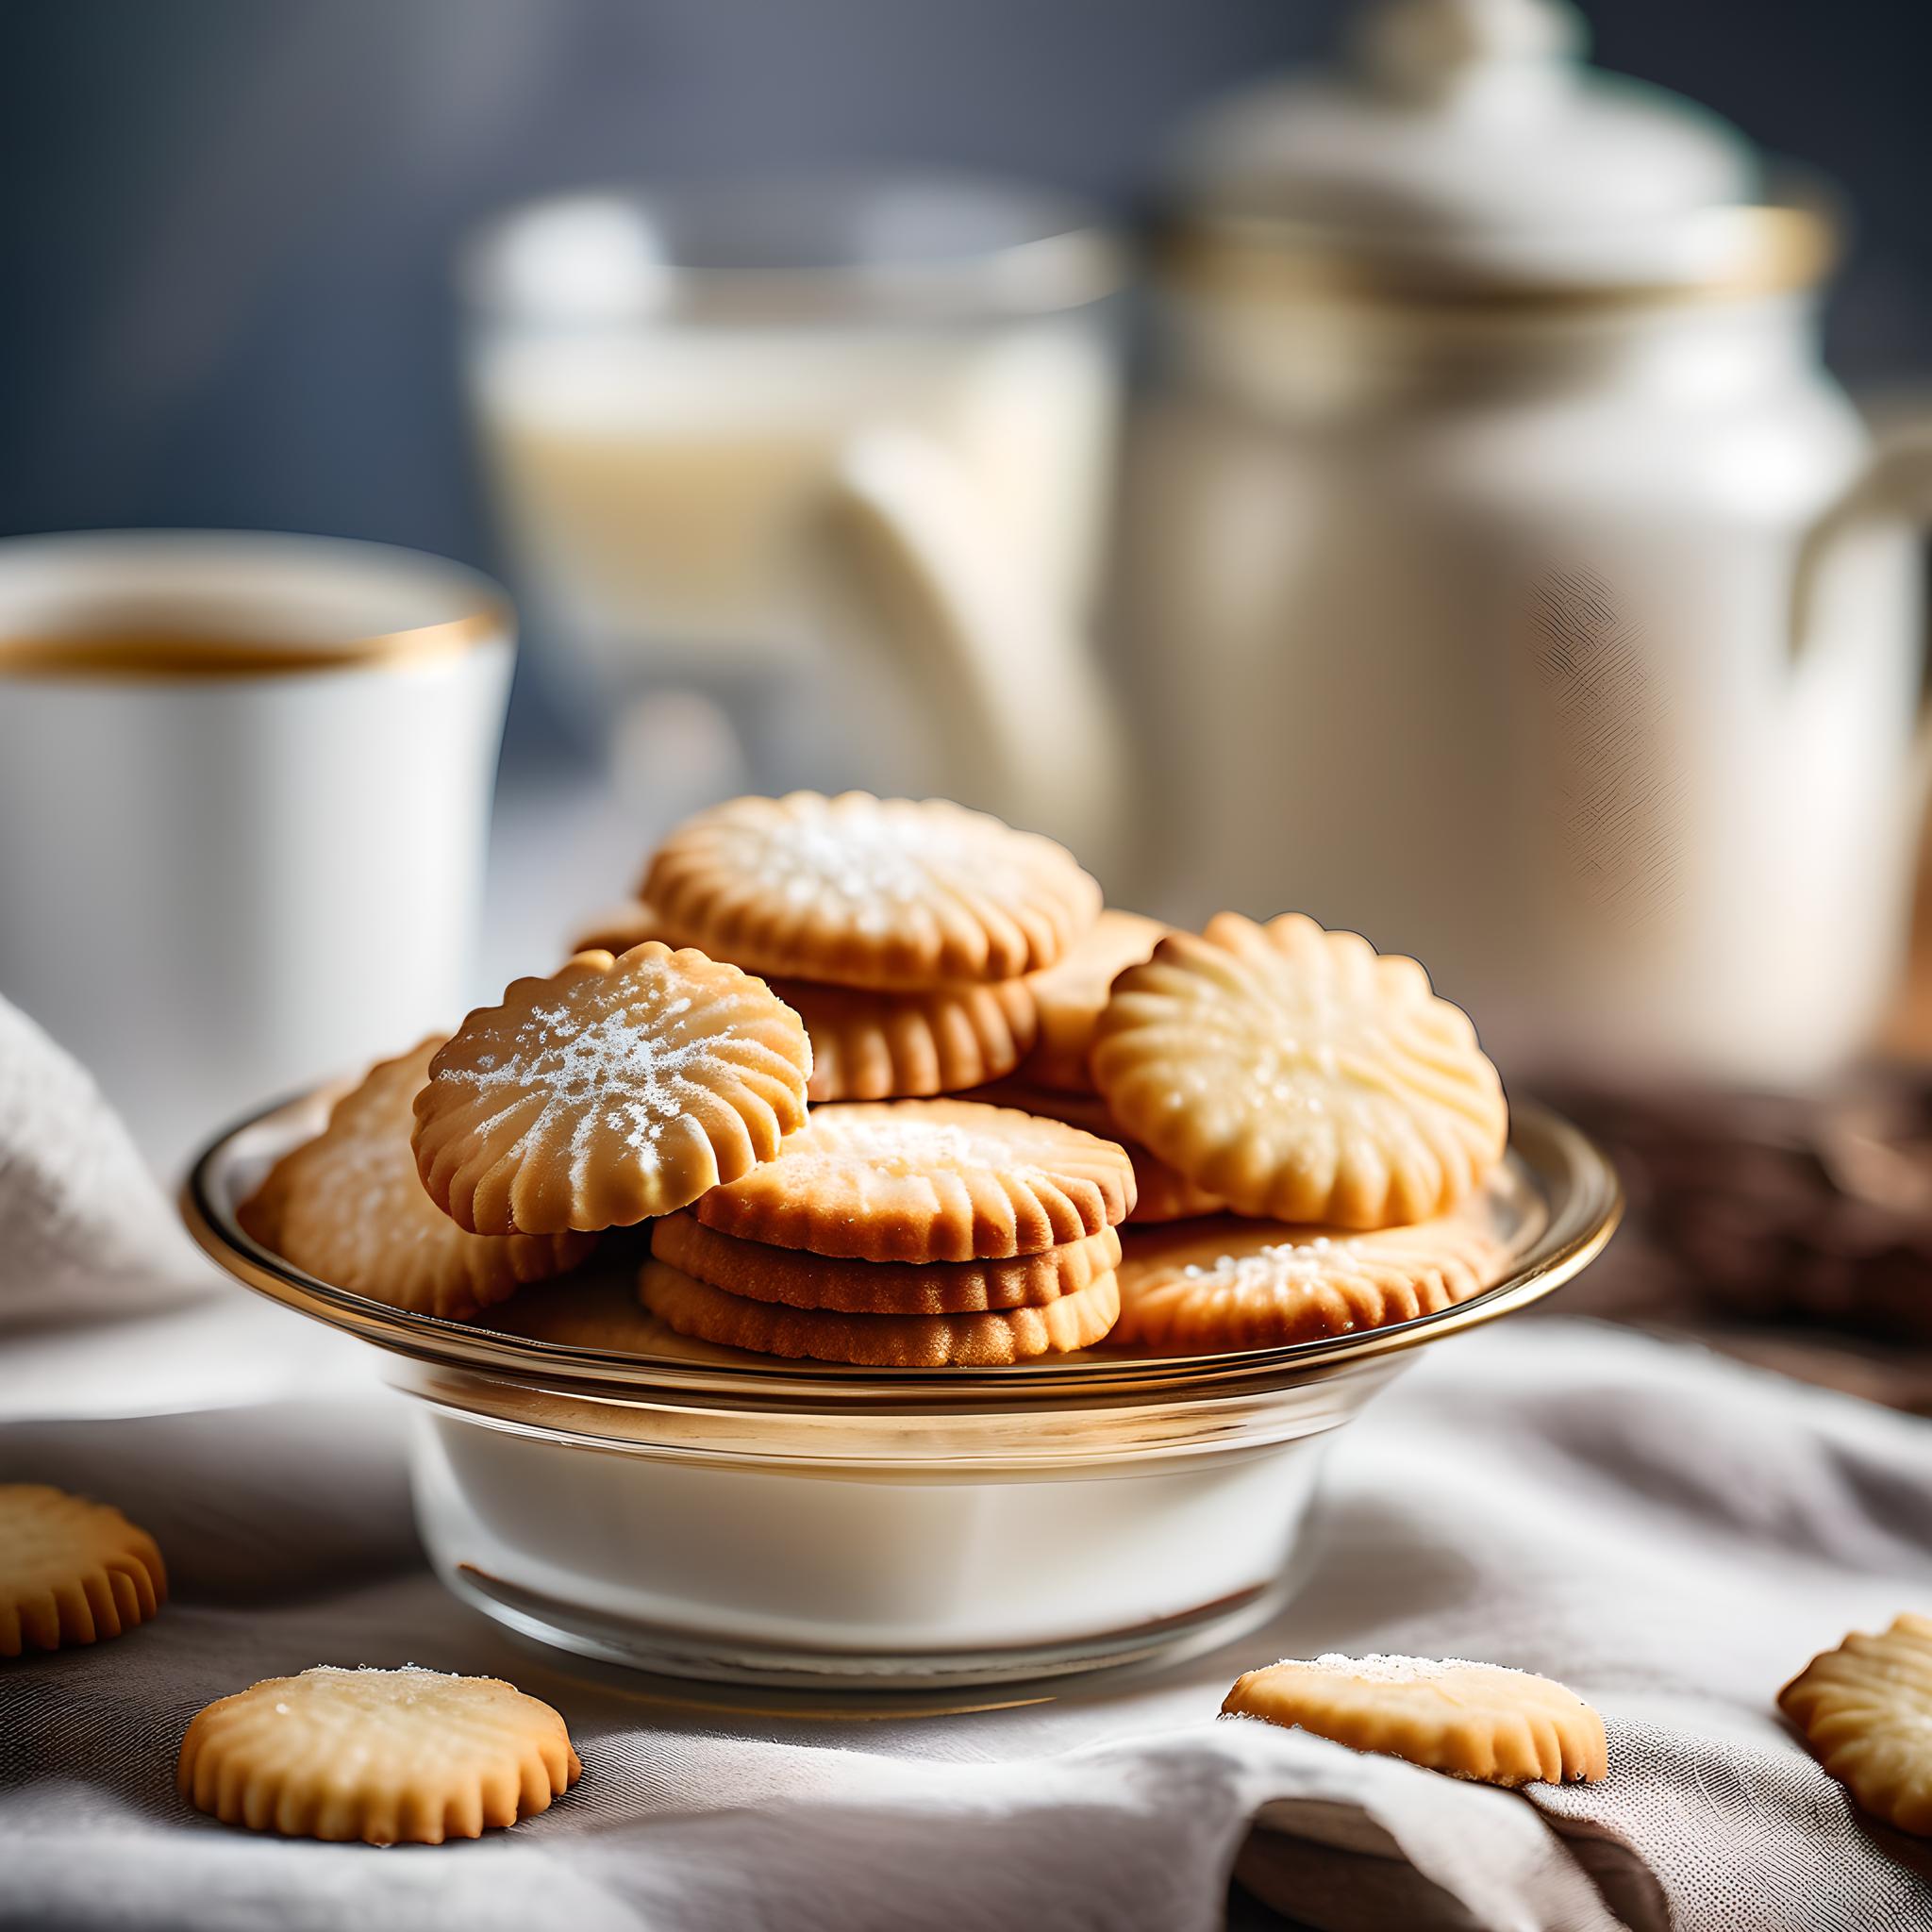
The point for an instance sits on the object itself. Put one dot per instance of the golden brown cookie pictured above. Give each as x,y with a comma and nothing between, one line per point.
988,1340
71,1571
911,1045
870,1045
927,1180
897,894
1300,1075
1161,1194
1226,1284
1482,1721
408,1756
1866,1710
764,1274
1073,993
348,1208
614,1089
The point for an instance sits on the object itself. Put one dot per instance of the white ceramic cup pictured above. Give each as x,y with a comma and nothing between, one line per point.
244,796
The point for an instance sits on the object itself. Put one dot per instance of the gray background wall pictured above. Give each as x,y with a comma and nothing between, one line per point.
227,225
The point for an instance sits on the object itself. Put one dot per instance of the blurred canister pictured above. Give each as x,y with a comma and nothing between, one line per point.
1506,576
244,799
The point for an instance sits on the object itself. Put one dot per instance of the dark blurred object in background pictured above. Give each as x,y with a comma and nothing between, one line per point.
1796,1233
228,242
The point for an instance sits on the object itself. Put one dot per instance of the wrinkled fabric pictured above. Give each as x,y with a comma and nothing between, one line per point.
1671,1535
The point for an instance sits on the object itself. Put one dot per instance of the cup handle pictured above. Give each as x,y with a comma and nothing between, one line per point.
915,569
1894,487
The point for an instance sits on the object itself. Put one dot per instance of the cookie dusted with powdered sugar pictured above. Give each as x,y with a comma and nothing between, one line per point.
927,1180
1225,1284
1482,1721
896,893
612,1091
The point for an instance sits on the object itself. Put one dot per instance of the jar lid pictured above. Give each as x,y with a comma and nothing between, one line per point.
1465,143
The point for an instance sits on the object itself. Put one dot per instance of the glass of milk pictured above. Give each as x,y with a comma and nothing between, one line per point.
663,381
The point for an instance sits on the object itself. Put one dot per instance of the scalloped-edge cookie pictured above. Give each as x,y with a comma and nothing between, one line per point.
927,1180
1866,1711
72,1572
1228,1285
614,1089
993,1338
1161,1194
404,1756
896,893
759,1272
348,1208
1073,993
1482,1721
1301,1075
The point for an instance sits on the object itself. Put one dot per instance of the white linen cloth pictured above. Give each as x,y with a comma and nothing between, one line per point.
1670,1534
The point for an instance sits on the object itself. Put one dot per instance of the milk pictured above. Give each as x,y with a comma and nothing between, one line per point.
651,482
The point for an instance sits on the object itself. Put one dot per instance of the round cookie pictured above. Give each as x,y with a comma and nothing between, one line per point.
1161,1194
870,1045
1226,1284
348,1208
1073,993
71,1571
1300,1075
899,894
1481,1722
614,1089
1866,1710
408,1756
989,1340
761,1273
927,1180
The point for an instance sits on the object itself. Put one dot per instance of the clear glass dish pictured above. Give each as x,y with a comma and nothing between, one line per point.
590,1479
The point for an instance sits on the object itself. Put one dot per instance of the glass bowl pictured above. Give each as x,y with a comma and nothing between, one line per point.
590,1479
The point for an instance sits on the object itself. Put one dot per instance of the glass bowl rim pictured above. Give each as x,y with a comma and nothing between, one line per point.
1581,1193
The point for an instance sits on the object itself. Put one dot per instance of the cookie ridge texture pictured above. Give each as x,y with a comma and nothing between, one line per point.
991,1339
400,1757
1298,1075
348,1207
758,1271
616,1089
898,895
1485,1722
927,1180
75,1571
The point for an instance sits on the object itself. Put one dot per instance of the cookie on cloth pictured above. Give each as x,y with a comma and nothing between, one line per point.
348,1208
1227,1283
1073,993
991,1339
870,1045
1300,1075
408,1756
614,1089
71,1571
761,1273
1481,1722
1866,1710
927,1180
896,894
1161,1194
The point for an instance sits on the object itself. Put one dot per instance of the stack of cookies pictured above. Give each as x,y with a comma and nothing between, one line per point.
910,936
1307,1122
912,1234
